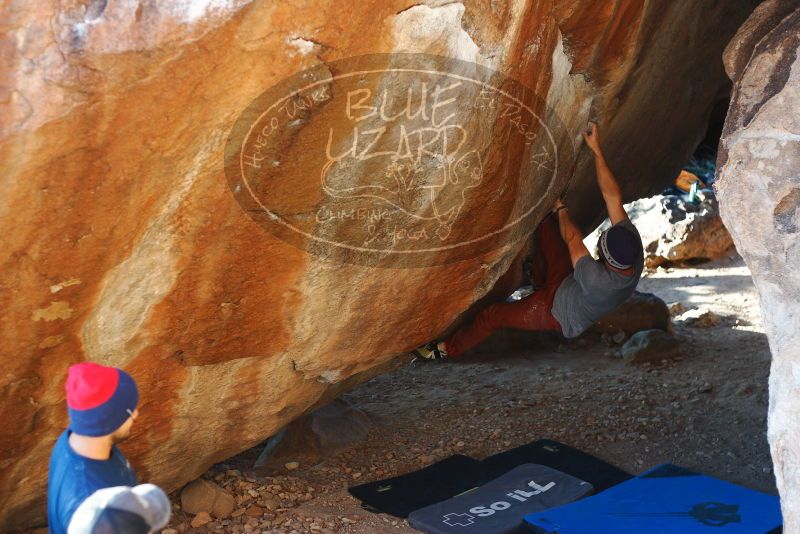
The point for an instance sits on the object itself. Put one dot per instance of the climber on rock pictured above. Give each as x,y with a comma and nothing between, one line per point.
577,290
91,484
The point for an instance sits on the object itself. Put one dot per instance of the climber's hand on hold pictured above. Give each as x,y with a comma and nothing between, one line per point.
592,138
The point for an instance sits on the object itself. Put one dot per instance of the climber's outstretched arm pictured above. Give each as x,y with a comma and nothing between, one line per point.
605,178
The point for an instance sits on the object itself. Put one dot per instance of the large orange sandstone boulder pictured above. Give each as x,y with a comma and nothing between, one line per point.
153,215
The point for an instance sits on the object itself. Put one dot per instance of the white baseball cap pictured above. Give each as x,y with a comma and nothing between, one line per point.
139,510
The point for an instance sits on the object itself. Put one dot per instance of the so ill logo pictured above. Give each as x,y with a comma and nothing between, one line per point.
477,512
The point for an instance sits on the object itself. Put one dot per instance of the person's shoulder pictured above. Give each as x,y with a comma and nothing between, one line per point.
585,262
71,471
75,480
589,270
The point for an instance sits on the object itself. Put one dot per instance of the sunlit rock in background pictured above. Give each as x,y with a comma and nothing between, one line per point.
759,192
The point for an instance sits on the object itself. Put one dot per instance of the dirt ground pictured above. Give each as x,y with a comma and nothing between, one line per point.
705,411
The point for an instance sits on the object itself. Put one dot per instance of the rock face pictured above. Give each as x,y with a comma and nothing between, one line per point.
759,193
123,241
674,230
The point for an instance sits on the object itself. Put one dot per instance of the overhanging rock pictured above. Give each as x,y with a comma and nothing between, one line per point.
123,241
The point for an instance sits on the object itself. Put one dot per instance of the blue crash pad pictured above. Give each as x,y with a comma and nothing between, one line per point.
665,499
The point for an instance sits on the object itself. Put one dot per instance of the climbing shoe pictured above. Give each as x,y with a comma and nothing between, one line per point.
429,351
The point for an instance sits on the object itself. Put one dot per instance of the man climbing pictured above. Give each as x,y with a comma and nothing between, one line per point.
577,290
101,402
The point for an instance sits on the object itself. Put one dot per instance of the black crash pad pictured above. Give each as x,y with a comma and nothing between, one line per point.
401,495
601,475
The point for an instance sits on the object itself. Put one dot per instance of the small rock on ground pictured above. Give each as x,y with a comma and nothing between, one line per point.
650,346
201,519
700,318
205,496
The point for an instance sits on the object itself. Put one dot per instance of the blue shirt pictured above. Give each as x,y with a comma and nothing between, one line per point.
73,478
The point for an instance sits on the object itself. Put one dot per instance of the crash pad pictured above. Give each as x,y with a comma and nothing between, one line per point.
664,500
499,506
